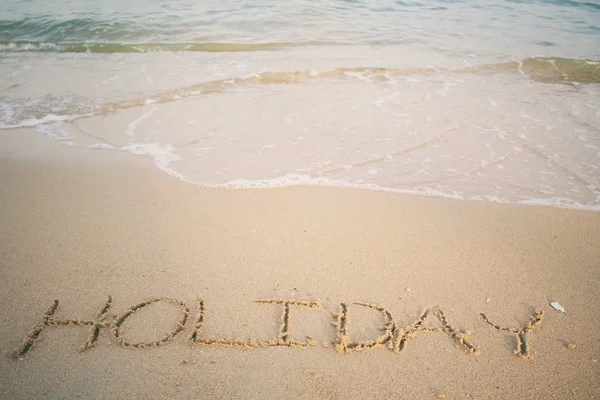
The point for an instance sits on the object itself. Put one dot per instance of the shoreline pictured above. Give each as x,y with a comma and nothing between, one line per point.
283,182
81,225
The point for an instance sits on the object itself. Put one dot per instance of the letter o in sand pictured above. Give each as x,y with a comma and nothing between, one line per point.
120,320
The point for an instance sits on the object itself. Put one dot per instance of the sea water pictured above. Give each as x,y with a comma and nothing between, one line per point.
474,99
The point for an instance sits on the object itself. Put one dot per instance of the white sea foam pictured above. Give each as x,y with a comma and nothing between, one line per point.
6,114
133,124
560,203
29,47
56,132
102,146
50,118
291,180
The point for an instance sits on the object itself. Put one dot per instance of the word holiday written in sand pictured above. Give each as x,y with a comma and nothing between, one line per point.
393,336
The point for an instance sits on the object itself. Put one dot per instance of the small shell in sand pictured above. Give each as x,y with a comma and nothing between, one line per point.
556,305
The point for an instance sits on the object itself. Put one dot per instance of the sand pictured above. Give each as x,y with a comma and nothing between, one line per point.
170,290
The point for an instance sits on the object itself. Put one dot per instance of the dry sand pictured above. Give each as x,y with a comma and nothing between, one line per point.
80,225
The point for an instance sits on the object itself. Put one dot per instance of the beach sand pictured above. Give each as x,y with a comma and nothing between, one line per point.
79,225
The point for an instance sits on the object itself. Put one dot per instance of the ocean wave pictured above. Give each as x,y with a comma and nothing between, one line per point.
544,70
46,119
462,27
210,47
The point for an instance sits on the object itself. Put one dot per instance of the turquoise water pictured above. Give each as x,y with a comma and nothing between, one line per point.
475,100
519,28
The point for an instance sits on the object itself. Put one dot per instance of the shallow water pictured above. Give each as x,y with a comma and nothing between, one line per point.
479,100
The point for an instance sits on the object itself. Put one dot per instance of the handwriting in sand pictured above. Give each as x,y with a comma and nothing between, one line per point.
393,336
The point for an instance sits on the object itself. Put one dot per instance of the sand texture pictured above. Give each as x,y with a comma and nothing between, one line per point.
121,282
